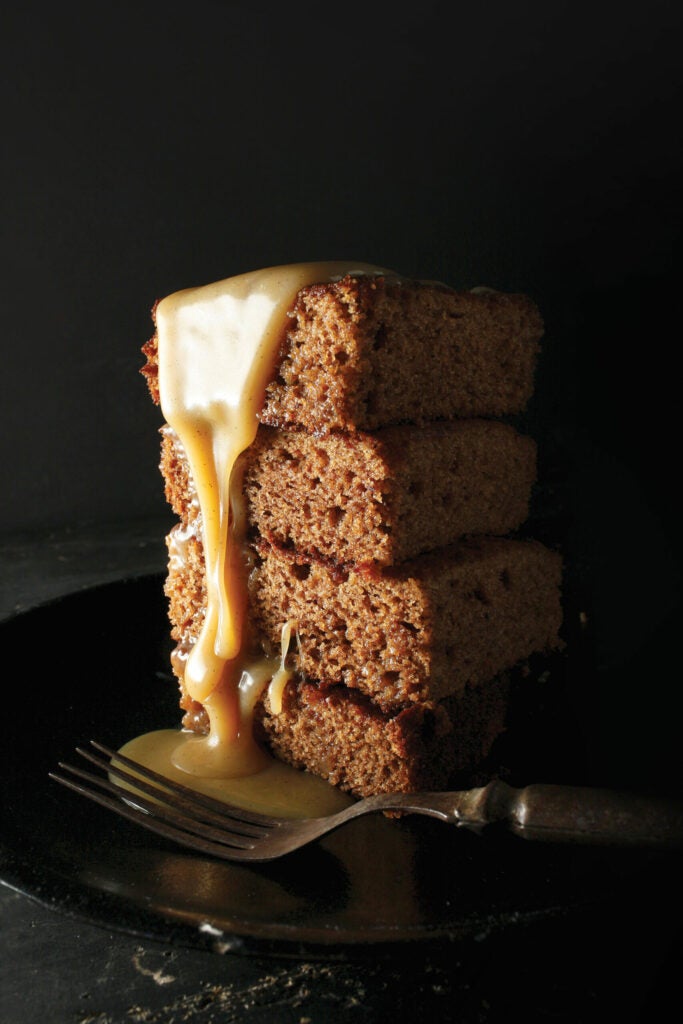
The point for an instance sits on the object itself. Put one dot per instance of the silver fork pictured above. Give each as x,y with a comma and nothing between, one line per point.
540,812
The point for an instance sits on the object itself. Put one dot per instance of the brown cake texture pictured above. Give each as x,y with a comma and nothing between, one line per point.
364,353
380,498
349,740
383,495
420,631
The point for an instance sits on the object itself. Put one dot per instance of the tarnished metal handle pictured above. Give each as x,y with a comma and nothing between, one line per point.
579,814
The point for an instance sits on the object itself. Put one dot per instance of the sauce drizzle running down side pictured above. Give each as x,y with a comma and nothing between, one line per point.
217,347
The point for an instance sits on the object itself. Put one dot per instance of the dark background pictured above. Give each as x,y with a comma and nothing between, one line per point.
530,146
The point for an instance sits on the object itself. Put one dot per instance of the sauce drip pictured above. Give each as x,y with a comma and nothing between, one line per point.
275,788
217,347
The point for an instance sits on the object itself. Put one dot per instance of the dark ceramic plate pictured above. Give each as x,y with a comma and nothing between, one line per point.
94,665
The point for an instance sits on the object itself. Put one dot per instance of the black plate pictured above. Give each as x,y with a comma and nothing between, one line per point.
95,665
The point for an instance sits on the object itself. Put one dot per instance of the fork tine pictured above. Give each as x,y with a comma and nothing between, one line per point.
228,818
195,799
173,817
154,824
163,806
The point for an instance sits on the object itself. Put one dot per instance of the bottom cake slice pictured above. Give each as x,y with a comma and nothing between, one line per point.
342,736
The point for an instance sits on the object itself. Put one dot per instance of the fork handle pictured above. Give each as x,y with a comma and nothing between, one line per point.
579,814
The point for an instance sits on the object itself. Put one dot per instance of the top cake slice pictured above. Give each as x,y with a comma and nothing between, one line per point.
366,352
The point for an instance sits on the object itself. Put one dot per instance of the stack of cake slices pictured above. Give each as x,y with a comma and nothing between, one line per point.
384,496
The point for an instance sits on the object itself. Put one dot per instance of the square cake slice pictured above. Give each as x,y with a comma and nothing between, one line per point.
376,498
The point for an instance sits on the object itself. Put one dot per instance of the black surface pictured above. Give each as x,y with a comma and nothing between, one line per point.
376,887
619,965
